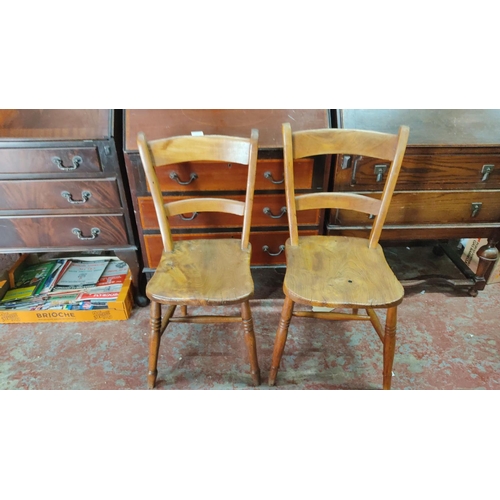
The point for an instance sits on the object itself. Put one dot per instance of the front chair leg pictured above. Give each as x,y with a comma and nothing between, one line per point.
281,335
154,342
246,316
389,344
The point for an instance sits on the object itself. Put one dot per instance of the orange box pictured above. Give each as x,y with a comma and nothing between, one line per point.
117,310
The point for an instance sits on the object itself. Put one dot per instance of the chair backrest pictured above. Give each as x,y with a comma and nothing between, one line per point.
301,144
199,148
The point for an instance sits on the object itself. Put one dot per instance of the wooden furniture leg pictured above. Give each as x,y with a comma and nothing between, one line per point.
389,345
487,255
281,335
154,342
246,315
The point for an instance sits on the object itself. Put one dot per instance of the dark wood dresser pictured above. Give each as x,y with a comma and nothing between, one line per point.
269,219
449,186
61,187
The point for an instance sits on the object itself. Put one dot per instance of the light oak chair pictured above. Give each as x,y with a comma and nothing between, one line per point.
341,271
200,272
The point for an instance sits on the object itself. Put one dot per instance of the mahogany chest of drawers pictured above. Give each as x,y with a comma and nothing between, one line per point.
269,219
449,185
61,187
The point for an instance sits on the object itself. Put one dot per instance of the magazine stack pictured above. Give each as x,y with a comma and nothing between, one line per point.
60,289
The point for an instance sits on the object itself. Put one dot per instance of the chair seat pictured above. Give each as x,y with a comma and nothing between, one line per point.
203,272
339,271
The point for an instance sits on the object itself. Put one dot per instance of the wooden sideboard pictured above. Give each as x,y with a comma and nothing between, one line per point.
269,220
61,186
449,185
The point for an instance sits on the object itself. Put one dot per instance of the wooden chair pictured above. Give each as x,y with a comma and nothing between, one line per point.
200,272
341,271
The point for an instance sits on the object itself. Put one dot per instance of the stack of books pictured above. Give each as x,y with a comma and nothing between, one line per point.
69,284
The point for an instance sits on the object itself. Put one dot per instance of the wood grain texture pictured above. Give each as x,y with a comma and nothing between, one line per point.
158,123
329,271
214,176
456,152
40,161
342,141
260,216
77,124
423,172
204,148
430,126
258,239
57,231
47,195
413,233
432,207
354,142
192,205
347,201
203,272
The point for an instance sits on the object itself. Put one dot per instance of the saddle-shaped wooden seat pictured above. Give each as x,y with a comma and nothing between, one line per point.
340,271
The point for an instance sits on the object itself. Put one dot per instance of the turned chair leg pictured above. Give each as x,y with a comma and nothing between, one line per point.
154,342
389,344
281,335
249,334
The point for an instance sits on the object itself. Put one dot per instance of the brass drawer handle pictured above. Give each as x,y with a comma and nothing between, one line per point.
183,217
269,175
486,171
85,197
77,161
475,207
354,164
379,171
265,249
94,231
267,211
346,162
175,177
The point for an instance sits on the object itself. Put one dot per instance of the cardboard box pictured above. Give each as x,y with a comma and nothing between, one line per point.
117,310
469,256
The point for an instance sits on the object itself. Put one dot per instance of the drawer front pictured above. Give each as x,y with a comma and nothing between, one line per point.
78,195
218,176
57,161
268,210
421,171
266,246
415,233
431,207
63,231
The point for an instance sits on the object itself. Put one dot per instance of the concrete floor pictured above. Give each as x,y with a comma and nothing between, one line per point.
446,340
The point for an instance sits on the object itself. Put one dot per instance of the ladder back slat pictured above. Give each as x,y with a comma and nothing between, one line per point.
347,201
205,205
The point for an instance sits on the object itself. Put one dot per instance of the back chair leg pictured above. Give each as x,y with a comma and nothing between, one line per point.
281,335
389,344
154,342
246,315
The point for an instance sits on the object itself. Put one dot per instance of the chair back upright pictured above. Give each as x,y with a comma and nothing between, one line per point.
301,144
160,152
